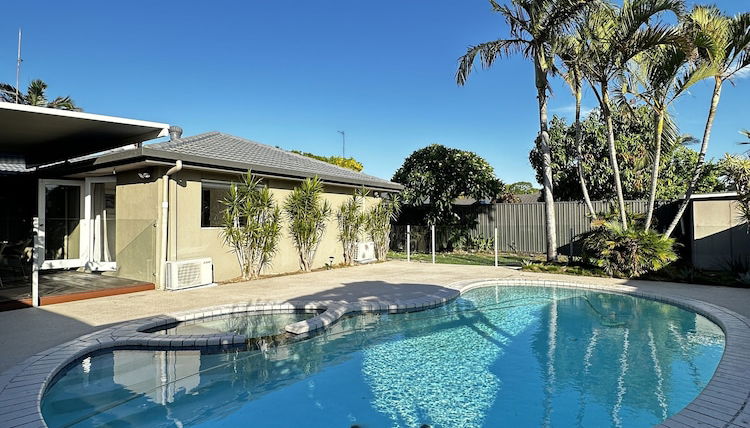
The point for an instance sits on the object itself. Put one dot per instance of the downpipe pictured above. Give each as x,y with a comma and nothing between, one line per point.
165,222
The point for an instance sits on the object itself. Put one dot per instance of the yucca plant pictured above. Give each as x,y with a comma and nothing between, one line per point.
251,225
351,220
627,252
307,212
378,225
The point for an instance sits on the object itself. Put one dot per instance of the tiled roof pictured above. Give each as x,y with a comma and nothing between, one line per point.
12,164
257,156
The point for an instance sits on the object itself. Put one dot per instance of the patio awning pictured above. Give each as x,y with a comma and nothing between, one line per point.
43,135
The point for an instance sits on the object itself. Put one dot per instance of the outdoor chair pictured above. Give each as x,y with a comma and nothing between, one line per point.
14,258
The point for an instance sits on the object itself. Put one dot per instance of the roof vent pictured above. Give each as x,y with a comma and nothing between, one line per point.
175,132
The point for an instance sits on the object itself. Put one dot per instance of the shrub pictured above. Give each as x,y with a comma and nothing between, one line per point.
628,253
378,225
251,225
307,212
351,219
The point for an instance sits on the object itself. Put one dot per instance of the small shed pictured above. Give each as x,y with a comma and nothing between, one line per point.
718,234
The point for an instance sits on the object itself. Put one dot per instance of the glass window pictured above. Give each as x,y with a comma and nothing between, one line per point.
212,193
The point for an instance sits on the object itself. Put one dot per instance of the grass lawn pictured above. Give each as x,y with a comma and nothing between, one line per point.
486,259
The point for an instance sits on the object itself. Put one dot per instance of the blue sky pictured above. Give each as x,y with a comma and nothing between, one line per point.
291,74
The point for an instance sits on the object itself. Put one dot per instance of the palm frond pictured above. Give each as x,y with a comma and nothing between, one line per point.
488,52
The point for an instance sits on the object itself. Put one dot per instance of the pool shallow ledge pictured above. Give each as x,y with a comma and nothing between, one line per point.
723,402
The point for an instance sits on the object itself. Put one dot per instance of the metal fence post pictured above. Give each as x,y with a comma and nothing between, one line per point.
570,257
432,232
496,264
408,243
35,262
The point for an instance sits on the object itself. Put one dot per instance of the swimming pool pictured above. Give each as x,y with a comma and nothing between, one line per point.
496,356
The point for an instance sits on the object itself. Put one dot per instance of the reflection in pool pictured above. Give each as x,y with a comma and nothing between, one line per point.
497,356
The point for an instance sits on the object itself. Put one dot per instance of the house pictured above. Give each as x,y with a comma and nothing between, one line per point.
107,203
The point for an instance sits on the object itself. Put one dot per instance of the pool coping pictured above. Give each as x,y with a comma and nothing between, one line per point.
722,403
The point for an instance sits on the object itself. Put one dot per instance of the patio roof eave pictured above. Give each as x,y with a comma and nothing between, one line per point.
44,135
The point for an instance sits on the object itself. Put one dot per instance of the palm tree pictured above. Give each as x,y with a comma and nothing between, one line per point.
658,77
571,53
723,44
35,96
534,26
614,36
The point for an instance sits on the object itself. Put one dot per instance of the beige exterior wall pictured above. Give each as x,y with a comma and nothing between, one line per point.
719,235
189,240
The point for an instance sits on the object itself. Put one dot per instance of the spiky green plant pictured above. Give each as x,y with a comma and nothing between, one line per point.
627,252
378,225
351,220
251,225
307,212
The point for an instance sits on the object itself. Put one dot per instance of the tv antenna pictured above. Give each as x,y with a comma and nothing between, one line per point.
18,65
343,143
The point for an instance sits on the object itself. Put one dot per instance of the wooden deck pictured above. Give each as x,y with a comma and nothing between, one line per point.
67,286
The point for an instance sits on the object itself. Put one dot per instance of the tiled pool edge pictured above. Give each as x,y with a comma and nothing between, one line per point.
721,404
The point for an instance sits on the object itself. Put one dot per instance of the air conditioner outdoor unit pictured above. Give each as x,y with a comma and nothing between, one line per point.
365,252
189,273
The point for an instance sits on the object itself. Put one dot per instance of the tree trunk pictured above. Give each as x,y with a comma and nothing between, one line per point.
701,156
579,153
543,141
607,112
655,169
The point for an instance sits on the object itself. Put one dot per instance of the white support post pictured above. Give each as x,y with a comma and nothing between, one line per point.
432,233
496,261
408,243
35,261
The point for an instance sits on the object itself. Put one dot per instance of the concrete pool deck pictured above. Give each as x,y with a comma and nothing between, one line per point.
29,331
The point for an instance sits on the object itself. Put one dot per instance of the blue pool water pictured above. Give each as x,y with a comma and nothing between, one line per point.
497,356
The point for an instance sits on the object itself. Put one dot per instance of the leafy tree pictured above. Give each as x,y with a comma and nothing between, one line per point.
251,225
35,96
307,212
614,35
521,188
378,224
535,26
436,175
723,46
348,163
351,220
633,144
737,170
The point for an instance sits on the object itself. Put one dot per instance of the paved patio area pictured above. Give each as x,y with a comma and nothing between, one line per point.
27,331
